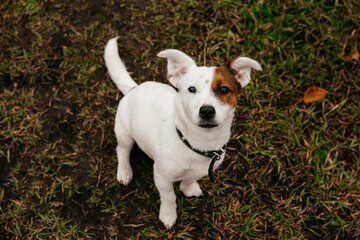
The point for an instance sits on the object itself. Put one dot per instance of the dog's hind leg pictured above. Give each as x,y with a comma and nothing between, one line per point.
190,189
125,143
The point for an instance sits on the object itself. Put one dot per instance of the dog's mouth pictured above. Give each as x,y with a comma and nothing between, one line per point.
208,125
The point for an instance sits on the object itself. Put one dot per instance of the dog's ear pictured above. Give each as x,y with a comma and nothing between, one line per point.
178,64
241,68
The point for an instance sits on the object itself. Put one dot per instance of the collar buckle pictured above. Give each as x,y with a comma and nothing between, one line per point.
216,156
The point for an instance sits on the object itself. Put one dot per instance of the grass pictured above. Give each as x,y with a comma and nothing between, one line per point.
291,170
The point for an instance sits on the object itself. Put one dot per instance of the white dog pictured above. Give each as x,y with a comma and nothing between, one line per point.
184,131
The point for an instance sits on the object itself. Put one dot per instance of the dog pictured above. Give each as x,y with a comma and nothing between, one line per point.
184,128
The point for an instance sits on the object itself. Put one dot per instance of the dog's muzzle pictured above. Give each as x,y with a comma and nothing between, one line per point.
207,114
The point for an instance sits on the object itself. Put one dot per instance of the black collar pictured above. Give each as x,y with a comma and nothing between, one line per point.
214,155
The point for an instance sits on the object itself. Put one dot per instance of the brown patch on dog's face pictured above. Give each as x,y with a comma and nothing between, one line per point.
225,86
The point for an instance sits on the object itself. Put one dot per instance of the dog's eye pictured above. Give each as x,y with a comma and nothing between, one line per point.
224,90
192,89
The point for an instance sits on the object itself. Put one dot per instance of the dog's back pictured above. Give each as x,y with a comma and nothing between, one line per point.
147,111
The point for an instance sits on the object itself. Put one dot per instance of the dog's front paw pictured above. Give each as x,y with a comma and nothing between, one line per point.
124,175
191,190
167,215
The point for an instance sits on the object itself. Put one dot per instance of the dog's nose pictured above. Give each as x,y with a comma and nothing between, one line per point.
207,112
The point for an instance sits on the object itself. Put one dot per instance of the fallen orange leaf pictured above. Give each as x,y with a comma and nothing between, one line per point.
314,94
353,54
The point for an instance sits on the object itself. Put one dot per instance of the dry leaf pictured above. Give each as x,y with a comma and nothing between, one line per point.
313,94
353,54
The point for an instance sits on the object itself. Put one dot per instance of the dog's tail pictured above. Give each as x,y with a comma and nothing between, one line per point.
116,67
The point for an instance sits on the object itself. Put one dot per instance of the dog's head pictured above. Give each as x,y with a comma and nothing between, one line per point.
208,95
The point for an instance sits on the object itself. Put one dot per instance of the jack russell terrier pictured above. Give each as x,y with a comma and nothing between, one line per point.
185,131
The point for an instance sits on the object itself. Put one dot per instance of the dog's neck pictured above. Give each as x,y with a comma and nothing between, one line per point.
215,138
